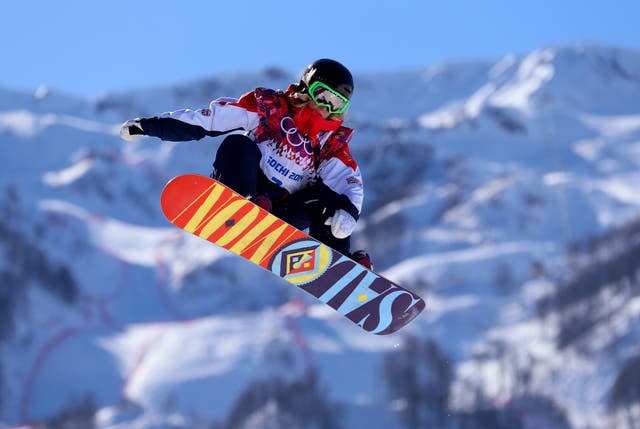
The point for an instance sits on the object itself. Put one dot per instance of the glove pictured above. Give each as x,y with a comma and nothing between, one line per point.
131,130
342,224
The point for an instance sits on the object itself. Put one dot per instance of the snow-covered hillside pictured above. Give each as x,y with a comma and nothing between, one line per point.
493,190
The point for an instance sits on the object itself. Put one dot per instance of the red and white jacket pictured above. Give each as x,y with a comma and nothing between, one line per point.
290,158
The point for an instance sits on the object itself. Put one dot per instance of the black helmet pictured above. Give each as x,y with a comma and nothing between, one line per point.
331,73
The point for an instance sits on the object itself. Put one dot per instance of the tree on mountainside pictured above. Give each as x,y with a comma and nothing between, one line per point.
277,403
624,397
418,382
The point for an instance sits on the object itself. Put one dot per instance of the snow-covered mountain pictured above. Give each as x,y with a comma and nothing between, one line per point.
504,192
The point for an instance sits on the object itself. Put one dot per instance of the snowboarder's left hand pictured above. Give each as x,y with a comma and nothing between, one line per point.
342,224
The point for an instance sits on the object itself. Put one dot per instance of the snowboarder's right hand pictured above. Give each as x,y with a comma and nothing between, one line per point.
342,224
131,130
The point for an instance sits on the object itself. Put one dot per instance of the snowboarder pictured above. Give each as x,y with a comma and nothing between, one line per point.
292,157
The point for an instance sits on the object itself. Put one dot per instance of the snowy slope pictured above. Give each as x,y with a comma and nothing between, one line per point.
479,176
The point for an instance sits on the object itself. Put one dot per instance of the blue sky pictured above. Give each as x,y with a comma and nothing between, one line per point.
89,47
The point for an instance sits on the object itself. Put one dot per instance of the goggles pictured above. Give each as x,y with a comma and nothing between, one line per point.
325,96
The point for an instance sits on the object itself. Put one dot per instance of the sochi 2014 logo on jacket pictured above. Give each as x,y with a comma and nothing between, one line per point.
297,148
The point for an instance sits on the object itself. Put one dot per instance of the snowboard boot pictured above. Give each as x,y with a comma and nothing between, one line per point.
262,201
363,258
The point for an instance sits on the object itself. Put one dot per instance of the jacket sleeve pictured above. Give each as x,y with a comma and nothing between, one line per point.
222,116
341,175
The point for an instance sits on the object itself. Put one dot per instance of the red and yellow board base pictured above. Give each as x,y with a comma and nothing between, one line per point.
210,210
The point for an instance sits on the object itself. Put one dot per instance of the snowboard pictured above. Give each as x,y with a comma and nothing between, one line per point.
210,210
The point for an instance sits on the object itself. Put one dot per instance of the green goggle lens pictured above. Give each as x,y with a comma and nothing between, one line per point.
325,96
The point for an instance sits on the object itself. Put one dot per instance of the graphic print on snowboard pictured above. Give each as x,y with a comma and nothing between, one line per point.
211,210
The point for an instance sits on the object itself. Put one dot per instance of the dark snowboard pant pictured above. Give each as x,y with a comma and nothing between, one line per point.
237,165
